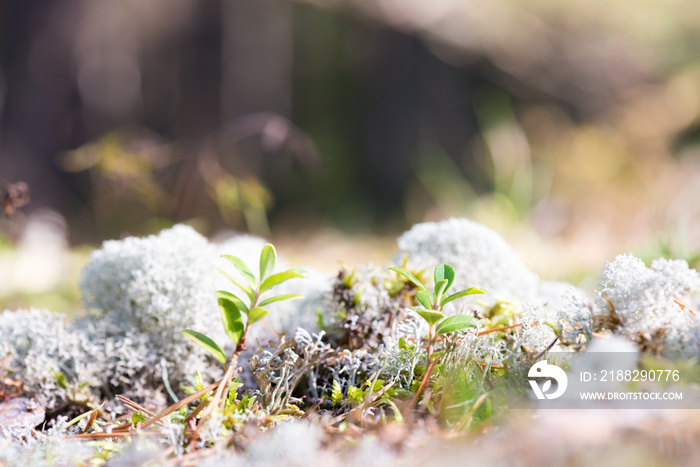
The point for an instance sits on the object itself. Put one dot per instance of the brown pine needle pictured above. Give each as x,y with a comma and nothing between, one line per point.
493,367
179,405
228,376
684,306
123,427
196,411
91,420
134,406
118,434
504,328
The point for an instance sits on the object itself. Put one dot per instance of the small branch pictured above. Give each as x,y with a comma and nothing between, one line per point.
431,341
504,328
224,382
541,354
213,402
180,404
423,383
134,406
684,306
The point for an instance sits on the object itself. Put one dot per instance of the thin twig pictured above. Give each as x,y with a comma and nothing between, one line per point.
214,402
118,434
134,406
423,383
196,411
541,354
179,405
504,328
684,306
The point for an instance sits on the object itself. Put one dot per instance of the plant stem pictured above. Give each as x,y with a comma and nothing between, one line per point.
428,370
228,376
431,342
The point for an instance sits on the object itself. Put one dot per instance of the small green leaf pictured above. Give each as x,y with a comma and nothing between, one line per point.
336,393
242,268
198,382
245,288
423,298
404,345
280,277
455,323
355,394
232,318
137,418
435,355
246,403
207,344
232,394
61,379
440,287
462,293
256,314
229,296
268,256
410,277
442,272
431,316
279,298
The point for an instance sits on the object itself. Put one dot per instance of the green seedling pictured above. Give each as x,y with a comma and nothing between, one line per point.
431,303
237,316
430,306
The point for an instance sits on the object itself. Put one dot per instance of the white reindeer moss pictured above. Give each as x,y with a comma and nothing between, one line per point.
481,257
162,284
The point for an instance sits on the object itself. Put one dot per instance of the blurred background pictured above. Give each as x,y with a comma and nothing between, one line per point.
330,126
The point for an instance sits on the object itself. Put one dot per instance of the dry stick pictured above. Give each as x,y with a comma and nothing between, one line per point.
110,435
493,367
504,328
179,405
423,383
217,396
123,429
549,347
684,306
196,411
137,408
223,383
134,406
481,333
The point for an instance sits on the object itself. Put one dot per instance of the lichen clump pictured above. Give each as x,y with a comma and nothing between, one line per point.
159,284
647,305
355,353
481,255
